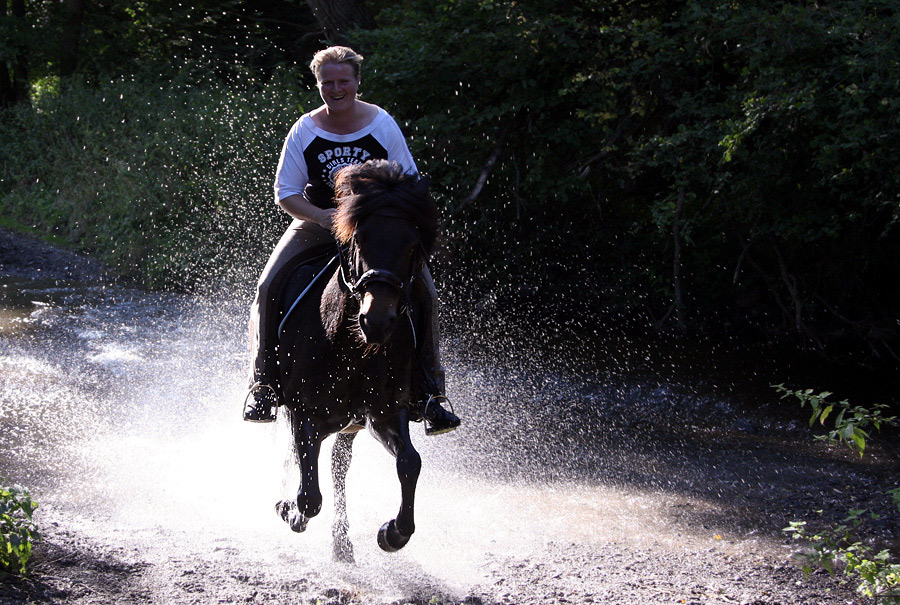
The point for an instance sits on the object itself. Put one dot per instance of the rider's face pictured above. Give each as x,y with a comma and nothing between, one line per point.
338,86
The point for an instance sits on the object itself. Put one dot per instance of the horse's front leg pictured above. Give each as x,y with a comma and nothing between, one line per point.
308,442
394,435
341,454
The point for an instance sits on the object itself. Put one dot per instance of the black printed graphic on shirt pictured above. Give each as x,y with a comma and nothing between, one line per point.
324,159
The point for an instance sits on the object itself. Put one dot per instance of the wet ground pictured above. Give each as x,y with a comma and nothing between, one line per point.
120,410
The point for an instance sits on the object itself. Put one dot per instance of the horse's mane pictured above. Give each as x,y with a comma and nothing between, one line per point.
382,187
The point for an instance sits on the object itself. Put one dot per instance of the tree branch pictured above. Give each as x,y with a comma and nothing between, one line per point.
861,329
486,171
607,148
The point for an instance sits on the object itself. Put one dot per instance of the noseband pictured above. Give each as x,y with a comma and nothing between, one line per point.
357,285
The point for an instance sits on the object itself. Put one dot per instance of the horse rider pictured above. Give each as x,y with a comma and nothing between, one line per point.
343,131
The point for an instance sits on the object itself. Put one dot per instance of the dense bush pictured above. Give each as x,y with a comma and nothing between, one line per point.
170,181
165,36
17,530
683,163
850,546
680,158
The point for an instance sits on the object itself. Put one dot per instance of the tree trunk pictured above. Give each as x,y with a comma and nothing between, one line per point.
14,75
71,35
6,93
336,17
7,98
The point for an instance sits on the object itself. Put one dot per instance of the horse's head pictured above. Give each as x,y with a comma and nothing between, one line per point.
386,223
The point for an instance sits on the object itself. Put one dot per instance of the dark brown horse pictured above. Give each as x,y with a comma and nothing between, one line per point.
347,353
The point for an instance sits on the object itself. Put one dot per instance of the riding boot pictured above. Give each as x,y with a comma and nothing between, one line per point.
439,420
429,398
261,402
264,406
429,376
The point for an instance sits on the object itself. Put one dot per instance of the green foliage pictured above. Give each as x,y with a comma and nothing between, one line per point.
17,530
170,181
162,37
850,422
769,121
472,80
841,546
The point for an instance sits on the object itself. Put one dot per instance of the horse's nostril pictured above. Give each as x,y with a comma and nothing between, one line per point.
364,323
376,329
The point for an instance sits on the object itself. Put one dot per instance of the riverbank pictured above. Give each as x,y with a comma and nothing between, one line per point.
27,256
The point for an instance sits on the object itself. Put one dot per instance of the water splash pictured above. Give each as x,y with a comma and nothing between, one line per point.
122,410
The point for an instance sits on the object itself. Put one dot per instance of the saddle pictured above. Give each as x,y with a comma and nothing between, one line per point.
308,268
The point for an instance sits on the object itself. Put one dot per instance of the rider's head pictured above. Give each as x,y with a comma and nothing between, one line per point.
336,54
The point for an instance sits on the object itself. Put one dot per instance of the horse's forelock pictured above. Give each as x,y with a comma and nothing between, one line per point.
381,187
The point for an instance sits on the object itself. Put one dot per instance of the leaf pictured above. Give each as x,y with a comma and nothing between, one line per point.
846,432
840,417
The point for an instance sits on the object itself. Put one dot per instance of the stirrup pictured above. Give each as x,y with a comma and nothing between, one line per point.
273,408
437,400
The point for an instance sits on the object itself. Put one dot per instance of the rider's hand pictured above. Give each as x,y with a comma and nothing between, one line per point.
327,218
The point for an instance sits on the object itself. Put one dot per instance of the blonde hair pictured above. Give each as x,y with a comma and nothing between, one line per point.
336,54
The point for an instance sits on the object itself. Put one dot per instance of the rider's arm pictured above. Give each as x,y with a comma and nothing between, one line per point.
390,135
301,208
292,176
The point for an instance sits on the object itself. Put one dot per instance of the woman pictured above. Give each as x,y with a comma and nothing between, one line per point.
343,131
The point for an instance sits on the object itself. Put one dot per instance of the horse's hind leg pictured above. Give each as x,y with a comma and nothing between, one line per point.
394,534
341,454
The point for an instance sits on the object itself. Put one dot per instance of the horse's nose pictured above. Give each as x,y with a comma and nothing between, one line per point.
377,318
377,328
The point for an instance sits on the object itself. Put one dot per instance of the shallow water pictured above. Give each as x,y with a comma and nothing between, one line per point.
121,411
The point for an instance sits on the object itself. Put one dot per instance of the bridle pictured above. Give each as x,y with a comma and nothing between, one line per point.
356,284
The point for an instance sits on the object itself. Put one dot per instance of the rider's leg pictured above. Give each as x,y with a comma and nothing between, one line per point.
299,237
432,386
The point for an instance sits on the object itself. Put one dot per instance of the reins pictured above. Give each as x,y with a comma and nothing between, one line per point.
357,286
305,290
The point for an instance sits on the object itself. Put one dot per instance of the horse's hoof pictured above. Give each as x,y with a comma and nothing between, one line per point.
287,510
389,537
342,552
